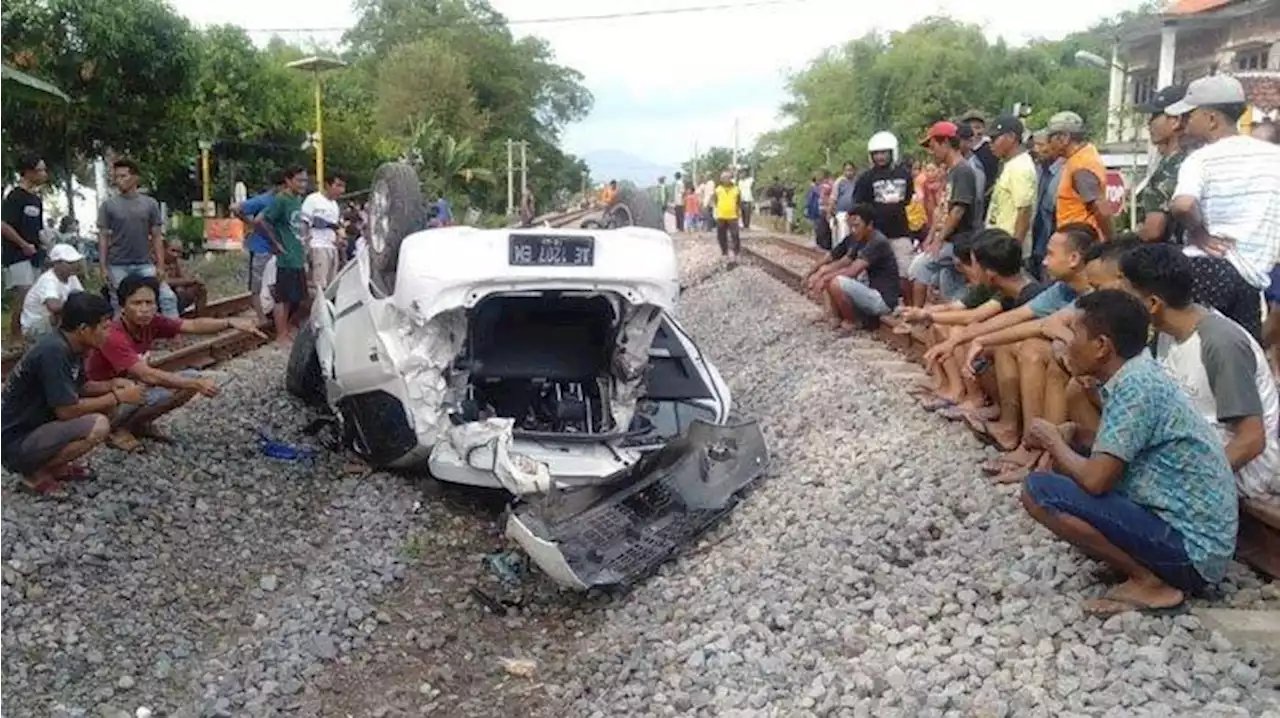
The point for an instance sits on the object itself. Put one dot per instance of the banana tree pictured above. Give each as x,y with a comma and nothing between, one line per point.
445,164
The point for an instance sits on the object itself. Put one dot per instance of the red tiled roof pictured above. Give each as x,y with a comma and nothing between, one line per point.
1262,90
1191,7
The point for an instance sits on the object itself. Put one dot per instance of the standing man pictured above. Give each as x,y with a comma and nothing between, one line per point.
1050,171
23,217
982,149
842,200
130,236
258,245
774,193
747,197
887,187
1013,198
1155,195
727,205
281,222
675,200
1082,190
956,213
321,218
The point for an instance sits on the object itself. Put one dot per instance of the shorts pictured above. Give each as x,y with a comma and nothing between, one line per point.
257,262
324,267
866,300
290,288
155,396
1142,535
33,451
19,275
939,272
904,250
1272,292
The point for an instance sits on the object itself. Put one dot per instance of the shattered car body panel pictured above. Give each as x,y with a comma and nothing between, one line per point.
616,535
571,385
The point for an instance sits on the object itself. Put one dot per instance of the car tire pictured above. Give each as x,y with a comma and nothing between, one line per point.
633,208
302,377
591,224
395,211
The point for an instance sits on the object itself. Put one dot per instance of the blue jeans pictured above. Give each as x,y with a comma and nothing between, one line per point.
866,300
168,300
1142,535
939,272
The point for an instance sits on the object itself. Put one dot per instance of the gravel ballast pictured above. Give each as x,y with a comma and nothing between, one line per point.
874,572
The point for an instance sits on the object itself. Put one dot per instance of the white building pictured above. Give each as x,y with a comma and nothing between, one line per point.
1191,39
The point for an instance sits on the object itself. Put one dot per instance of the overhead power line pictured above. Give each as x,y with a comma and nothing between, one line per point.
746,4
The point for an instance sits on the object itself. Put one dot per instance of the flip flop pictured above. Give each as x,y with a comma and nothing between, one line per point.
936,403
1108,607
124,441
980,431
77,472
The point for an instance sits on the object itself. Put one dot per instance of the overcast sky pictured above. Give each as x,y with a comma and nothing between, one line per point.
659,82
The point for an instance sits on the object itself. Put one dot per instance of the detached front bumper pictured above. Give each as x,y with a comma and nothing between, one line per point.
618,532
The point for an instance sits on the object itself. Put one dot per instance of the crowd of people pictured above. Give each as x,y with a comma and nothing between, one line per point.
1121,374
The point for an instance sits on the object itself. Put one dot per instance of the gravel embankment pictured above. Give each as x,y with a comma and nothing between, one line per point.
875,573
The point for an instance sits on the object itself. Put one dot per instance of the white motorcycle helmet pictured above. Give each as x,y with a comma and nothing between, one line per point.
884,142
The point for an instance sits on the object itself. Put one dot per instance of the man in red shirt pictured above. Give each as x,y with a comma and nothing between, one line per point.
124,354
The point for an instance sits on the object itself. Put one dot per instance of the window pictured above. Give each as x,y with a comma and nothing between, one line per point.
1144,87
1253,58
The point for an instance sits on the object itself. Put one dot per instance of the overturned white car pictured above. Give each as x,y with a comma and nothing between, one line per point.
548,362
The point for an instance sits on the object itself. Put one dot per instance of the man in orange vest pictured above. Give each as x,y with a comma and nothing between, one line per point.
1082,192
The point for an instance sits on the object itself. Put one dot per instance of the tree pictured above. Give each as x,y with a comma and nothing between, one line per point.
121,61
905,81
718,159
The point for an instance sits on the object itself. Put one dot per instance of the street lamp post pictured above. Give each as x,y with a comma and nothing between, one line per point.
316,65
1100,62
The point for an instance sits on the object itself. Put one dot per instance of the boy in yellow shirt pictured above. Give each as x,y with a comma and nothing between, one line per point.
726,209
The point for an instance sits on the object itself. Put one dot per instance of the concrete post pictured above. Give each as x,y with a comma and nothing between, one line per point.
1168,55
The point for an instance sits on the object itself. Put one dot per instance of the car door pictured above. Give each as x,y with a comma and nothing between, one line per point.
681,384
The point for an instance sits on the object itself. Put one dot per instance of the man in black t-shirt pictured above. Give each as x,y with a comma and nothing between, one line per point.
49,414
888,187
852,301
22,215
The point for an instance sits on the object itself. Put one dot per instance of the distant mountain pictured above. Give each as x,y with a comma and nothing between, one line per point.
615,164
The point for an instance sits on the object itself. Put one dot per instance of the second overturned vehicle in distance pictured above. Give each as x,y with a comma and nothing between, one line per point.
547,362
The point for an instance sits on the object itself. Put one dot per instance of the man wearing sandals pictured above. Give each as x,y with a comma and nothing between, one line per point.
52,415
123,354
1155,499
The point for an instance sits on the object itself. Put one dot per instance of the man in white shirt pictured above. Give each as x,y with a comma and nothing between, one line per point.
43,303
746,197
1228,192
321,217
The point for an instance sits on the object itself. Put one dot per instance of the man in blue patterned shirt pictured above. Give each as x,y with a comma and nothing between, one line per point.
1155,499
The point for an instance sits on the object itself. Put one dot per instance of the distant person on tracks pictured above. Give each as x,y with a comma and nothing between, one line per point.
123,355
321,222
957,211
675,201
692,209
52,415
191,291
775,193
707,194
42,307
22,215
609,193
887,186
746,196
727,206
282,224
131,235
528,210
841,202
258,245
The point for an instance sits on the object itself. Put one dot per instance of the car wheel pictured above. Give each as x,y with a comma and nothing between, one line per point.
396,210
303,378
633,208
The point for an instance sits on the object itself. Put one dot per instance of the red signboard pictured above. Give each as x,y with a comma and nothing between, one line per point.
1116,191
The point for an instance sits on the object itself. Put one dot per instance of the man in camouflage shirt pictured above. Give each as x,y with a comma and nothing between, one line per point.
1155,222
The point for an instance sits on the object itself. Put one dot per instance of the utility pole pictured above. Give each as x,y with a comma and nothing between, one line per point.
524,170
735,148
511,200
695,163
206,185
584,187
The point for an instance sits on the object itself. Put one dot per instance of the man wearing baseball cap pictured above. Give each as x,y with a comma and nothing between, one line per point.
936,265
1082,191
42,306
981,148
1013,198
1228,192
1155,194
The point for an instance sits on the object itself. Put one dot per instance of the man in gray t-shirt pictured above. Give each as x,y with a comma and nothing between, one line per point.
131,237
